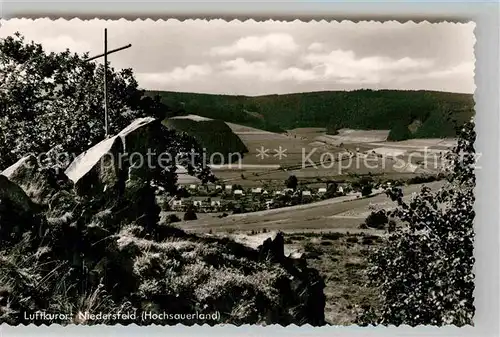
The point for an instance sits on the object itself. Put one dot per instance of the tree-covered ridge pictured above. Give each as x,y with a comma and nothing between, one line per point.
214,136
427,112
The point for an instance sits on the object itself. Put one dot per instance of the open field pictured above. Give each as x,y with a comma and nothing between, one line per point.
347,136
310,159
313,156
255,140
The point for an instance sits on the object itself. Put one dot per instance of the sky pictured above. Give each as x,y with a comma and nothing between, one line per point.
271,57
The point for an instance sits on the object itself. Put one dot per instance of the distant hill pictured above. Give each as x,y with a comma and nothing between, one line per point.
213,135
408,114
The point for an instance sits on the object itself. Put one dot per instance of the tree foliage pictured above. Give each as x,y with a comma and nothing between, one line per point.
425,269
358,109
219,141
292,182
190,214
49,99
331,190
377,220
399,132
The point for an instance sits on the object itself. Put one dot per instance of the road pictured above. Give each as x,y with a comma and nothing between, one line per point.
337,214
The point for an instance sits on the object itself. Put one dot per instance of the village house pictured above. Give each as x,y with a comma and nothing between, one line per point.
176,204
215,203
322,190
238,193
180,205
257,190
306,193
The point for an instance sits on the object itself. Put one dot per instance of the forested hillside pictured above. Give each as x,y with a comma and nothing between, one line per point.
408,114
213,135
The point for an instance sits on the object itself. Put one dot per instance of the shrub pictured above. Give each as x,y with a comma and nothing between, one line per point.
391,226
367,241
171,218
377,220
291,182
331,190
422,179
399,132
366,190
352,239
424,270
190,214
331,236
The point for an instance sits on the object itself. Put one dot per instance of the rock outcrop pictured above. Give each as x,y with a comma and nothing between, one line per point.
105,166
38,182
18,214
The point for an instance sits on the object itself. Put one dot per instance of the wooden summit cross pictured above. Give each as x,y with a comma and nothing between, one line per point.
105,54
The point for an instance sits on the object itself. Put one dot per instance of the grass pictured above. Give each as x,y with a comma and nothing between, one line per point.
127,272
342,261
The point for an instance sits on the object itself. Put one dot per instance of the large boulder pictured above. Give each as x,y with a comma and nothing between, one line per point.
105,167
18,214
273,249
305,286
39,182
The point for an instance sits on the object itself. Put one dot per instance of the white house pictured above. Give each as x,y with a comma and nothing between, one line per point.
218,187
238,192
215,203
306,193
278,193
197,203
257,190
229,187
177,203
340,189
265,192
192,187
322,190
288,190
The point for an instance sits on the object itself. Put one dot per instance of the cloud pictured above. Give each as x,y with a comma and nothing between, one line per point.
276,43
178,74
464,68
63,42
265,71
274,56
441,78
316,47
339,65
347,68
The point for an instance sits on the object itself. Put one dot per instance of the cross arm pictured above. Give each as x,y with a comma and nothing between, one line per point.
109,52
